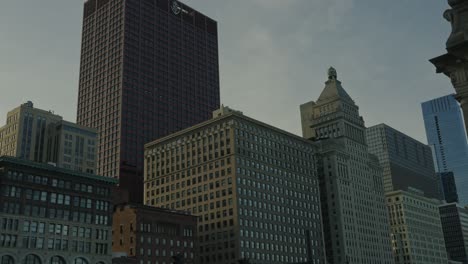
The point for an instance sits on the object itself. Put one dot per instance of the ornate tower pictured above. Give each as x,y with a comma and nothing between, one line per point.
355,222
454,63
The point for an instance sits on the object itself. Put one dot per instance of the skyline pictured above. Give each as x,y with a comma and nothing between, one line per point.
284,56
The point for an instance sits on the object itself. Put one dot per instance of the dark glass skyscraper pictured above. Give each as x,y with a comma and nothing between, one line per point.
446,136
449,187
406,163
148,68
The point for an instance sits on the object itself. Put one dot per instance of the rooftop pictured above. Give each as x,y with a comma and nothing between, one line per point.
219,116
7,160
152,208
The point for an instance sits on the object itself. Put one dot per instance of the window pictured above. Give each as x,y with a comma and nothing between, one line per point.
7,260
31,259
26,226
80,261
57,260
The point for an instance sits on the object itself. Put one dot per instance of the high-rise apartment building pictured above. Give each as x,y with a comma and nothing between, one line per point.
253,187
454,220
446,136
417,236
53,215
41,136
352,196
406,162
148,68
148,234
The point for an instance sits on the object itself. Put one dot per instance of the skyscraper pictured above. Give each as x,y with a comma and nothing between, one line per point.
405,161
446,136
354,214
148,68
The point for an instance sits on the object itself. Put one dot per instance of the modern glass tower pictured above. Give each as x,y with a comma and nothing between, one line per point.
446,136
148,68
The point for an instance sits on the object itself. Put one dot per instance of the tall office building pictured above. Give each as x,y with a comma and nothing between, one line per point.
253,187
446,136
454,220
417,235
42,136
352,195
148,68
406,162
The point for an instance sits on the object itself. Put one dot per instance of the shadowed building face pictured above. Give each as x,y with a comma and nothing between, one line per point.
148,68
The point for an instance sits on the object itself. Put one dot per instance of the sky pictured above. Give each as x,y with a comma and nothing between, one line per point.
273,54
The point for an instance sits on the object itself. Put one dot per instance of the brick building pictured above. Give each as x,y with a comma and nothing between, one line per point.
153,235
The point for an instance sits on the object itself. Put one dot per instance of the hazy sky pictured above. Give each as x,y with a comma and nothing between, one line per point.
273,56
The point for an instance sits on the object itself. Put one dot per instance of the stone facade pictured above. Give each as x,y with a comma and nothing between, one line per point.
454,63
254,188
417,236
53,215
352,196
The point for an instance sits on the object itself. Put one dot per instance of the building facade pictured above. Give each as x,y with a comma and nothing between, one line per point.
352,196
147,234
253,187
26,131
417,235
53,215
453,63
406,162
446,135
454,220
449,186
42,136
148,68
72,146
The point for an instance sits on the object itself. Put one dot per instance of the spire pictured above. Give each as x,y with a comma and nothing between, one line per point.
333,89
332,75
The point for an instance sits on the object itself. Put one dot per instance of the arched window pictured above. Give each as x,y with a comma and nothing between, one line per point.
100,262
32,259
7,260
80,261
57,260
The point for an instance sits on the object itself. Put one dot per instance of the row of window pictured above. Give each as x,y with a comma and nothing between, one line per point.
62,184
54,198
39,211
